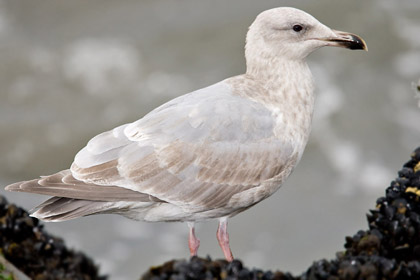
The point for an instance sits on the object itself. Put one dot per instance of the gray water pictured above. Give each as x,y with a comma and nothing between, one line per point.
72,69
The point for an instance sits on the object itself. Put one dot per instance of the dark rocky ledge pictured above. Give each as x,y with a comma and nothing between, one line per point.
26,246
389,249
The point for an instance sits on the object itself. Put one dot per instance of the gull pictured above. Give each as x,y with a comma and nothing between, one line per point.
208,154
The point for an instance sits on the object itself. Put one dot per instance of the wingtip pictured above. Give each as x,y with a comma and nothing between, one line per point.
13,187
45,218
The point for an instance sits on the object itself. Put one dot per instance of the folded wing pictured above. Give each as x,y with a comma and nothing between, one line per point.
196,151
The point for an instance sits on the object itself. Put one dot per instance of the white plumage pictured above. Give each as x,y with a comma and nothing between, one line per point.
208,154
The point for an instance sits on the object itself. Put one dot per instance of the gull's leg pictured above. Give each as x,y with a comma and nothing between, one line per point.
223,238
193,241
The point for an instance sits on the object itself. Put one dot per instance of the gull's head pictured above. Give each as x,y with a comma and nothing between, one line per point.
292,34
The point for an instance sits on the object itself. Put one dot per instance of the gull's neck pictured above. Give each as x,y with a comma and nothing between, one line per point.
288,84
277,72
286,88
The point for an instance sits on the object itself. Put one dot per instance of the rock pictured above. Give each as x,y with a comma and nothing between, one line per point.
9,271
34,252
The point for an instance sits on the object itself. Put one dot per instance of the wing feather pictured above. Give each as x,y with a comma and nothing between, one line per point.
63,184
198,152
58,209
195,151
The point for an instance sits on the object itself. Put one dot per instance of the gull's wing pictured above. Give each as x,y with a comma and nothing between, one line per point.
195,151
63,184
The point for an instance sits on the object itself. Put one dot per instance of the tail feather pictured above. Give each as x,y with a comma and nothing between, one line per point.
57,209
72,198
63,184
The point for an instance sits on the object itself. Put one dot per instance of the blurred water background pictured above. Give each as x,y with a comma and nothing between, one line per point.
72,69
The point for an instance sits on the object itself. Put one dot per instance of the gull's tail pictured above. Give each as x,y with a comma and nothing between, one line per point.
58,209
72,198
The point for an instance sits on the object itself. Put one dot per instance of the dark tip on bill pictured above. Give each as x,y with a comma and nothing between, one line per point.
357,43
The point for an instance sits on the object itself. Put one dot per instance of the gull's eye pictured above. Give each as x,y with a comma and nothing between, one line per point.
297,27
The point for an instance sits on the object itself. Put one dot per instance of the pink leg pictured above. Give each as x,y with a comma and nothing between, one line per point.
193,241
223,238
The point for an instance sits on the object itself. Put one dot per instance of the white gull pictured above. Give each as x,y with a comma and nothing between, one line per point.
211,153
